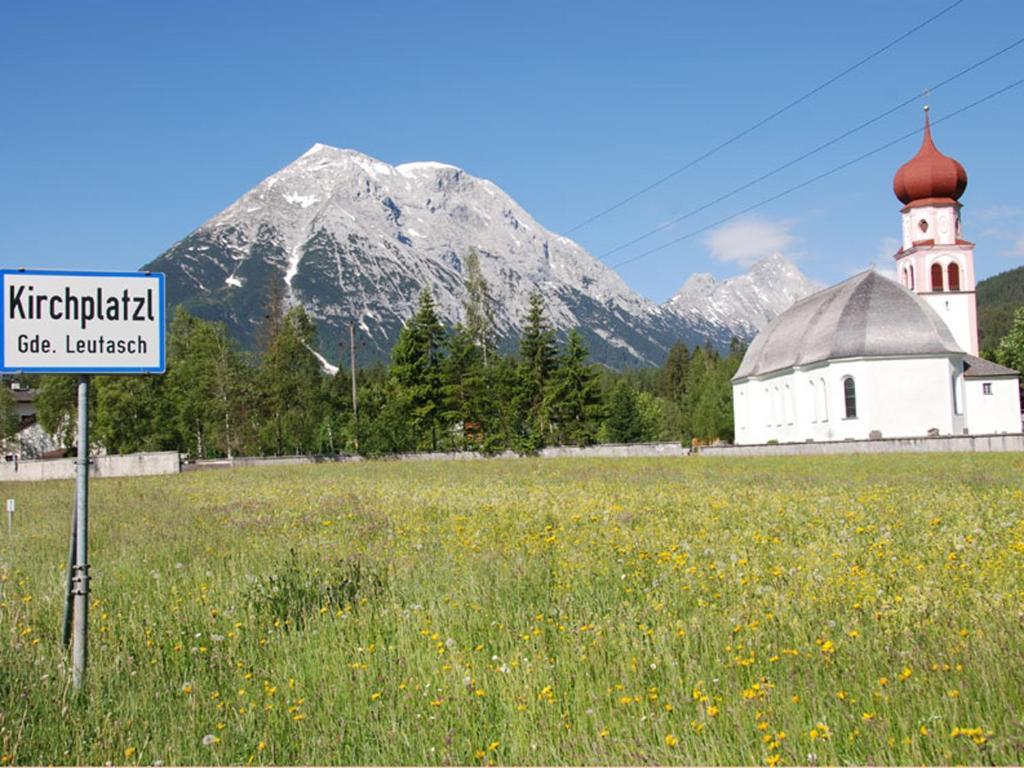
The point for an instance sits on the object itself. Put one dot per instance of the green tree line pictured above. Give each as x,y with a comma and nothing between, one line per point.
443,389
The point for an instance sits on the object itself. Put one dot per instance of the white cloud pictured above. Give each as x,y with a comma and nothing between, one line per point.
887,248
747,239
1017,251
883,263
998,212
1012,238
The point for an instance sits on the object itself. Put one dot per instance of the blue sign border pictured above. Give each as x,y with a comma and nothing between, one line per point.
161,368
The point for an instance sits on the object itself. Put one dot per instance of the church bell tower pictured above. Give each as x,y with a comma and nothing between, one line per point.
934,260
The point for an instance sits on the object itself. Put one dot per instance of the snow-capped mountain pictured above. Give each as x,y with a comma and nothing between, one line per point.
355,240
743,305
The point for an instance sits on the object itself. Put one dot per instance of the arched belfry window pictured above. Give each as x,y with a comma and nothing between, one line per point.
911,277
937,277
953,272
850,397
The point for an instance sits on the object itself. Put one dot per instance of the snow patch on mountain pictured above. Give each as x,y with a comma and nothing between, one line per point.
354,240
746,303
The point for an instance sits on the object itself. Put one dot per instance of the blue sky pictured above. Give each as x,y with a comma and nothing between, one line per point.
126,125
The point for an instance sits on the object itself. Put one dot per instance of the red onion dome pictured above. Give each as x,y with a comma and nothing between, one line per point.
930,174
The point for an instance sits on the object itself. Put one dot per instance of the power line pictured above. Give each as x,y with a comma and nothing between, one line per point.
765,120
814,179
817,149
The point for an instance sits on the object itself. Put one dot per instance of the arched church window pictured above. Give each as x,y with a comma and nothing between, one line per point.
824,400
953,272
937,277
814,399
850,397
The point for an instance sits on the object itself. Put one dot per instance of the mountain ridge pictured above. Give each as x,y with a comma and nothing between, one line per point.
354,240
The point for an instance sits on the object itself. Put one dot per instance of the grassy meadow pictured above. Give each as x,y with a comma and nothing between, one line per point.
602,611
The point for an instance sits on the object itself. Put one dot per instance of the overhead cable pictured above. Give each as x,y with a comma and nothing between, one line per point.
765,120
778,169
814,179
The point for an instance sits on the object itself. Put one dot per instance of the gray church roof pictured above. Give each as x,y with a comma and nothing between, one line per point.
979,368
865,316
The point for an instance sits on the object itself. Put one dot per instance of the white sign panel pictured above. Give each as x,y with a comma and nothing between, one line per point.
82,322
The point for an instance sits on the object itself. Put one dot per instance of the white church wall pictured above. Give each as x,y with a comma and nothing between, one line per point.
898,397
994,413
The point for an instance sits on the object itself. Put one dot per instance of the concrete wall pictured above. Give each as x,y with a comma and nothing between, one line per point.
948,444
616,450
129,465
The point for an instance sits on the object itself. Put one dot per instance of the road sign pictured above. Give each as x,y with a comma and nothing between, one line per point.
81,322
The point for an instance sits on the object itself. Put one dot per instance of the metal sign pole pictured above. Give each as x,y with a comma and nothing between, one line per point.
80,579
69,590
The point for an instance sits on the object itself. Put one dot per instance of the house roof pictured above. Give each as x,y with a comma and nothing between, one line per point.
979,368
865,316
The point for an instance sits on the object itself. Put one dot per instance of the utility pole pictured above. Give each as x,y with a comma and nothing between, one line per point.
352,367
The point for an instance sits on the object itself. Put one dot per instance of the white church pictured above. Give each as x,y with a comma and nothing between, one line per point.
870,358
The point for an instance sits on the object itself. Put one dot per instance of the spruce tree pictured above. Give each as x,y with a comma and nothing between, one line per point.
465,389
672,378
623,424
537,360
574,395
416,363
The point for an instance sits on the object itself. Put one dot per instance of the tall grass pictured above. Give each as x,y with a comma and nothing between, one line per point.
835,610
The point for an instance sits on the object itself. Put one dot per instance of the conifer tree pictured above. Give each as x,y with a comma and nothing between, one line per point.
623,424
537,360
416,362
574,397
465,388
672,382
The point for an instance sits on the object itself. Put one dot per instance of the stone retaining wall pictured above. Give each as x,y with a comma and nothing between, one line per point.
948,444
129,465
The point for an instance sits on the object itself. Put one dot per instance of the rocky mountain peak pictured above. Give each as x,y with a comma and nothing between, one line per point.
744,304
354,240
